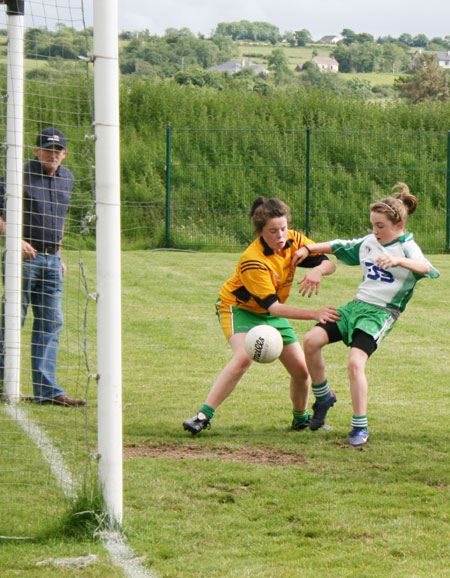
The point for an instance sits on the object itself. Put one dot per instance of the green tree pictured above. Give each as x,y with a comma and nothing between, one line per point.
427,83
177,50
290,38
406,38
357,57
385,40
263,86
349,36
420,40
393,58
439,43
365,37
279,64
65,42
198,77
365,56
303,37
343,55
361,88
227,48
245,30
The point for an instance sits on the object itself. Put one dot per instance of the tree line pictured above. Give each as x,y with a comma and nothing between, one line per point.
188,59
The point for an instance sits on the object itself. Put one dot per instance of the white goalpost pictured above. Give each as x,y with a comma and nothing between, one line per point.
13,232
106,97
46,431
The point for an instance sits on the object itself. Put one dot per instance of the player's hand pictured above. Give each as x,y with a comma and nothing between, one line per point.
327,314
28,251
299,256
385,261
309,284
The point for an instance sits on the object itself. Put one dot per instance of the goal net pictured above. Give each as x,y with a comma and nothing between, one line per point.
48,451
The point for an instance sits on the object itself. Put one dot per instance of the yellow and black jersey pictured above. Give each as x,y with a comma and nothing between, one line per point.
263,277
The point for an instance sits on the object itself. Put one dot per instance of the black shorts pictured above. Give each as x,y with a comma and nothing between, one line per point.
361,339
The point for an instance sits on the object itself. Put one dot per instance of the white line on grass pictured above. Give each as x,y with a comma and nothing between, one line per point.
51,455
115,542
123,556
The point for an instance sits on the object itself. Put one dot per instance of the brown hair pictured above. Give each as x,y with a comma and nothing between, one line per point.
264,209
398,206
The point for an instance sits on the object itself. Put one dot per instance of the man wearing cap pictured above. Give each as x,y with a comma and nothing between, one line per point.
47,189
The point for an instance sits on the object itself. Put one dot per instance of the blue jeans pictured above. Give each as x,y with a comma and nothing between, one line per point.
42,288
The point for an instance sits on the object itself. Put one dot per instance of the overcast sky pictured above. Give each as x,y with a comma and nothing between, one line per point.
320,17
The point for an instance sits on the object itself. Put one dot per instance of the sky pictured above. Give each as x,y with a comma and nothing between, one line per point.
319,17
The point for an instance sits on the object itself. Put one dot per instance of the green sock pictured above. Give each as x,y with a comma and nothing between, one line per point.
300,416
321,391
207,410
359,421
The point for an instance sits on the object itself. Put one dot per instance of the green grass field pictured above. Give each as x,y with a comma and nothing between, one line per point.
259,53
250,497
295,54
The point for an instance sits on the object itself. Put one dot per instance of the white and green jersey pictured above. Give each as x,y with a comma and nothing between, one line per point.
388,288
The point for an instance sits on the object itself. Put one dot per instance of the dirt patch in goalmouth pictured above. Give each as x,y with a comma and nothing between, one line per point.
261,455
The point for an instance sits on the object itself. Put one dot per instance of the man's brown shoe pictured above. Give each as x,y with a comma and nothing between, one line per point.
64,400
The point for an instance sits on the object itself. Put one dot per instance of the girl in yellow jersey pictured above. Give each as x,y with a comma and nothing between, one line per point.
256,295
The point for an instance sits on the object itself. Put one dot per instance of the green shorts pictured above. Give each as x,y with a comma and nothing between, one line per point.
238,320
373,320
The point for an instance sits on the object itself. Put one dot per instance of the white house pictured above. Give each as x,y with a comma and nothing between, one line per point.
332,39
443,57
233,66
325,64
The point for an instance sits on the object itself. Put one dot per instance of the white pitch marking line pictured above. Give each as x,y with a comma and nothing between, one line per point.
115,542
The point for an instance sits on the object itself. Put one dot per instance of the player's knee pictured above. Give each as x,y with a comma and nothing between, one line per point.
242,362
355,366
301,374
311,342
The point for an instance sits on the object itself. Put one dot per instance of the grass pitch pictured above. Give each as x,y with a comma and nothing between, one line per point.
250,497
299,501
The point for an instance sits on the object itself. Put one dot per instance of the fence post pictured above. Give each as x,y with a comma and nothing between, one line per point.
308,183
447,245
168,175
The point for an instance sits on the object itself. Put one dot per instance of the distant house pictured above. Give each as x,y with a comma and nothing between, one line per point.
443,57
333,39
233,66
325,64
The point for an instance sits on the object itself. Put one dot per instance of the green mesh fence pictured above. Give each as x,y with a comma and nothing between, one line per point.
327,177
349,170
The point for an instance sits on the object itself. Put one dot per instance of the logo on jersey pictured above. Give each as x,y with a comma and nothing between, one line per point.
377,274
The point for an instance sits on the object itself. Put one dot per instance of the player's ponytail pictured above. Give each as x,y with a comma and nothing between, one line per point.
409,200
398,206
256,203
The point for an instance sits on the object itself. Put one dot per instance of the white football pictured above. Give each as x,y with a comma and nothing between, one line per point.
263,343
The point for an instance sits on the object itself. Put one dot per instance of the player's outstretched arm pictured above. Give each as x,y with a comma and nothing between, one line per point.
301,254
309,284
324,315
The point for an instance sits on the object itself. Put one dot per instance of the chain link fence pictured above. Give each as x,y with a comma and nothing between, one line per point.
327,177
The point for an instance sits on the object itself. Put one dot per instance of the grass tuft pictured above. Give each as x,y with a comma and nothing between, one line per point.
84,519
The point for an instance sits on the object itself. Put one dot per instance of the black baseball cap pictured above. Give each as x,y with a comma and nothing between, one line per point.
51,137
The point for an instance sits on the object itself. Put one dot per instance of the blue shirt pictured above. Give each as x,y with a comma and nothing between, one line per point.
45,203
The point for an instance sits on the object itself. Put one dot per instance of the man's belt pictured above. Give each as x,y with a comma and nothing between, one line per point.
47,249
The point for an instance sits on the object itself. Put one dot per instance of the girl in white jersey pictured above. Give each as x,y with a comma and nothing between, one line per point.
392,263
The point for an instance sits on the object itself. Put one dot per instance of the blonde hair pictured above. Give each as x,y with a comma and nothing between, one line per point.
398,206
